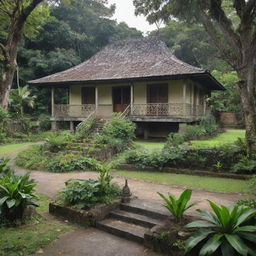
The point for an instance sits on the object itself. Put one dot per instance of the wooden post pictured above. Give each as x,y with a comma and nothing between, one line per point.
72,127
52,100
184,98
96,98
131,98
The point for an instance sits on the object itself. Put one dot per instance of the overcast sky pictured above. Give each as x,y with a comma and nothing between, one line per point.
125,12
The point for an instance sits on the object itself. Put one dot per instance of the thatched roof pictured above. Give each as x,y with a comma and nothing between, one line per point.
130,60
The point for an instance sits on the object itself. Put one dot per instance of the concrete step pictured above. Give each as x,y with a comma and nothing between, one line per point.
123,229
134,218
152,210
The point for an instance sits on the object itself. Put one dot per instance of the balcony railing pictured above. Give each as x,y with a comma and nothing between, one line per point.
79,111
176,110
167,109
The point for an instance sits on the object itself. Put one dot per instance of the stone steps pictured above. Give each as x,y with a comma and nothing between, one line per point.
123,229
133,220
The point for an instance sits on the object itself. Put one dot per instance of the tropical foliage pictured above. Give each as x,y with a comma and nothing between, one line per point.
225,231
177,207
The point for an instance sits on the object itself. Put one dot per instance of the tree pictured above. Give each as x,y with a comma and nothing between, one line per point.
21,97
231,25
15,14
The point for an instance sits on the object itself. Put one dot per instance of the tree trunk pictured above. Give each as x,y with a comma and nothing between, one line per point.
247,88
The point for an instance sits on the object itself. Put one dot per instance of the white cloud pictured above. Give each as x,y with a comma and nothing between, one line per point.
125,12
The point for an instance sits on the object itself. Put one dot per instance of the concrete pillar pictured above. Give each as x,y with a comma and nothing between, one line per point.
184,98
131,98
52,99
96,98
146,131
72,127
182,127
53,125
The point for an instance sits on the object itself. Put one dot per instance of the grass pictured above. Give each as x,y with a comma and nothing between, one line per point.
203,182
28,238
227,137
149,145
10,148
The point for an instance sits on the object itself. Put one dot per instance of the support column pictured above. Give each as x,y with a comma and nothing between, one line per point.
53,125
72,127
132,98
182,127
184,98
96,98
52,100
146,131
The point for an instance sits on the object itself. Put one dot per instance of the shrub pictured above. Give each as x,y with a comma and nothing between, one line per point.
44,123
32,158
174,140
247,202
4,168
84,128
83,194
57,142
118,133
16,193
71,162
225,231
177,207
245,165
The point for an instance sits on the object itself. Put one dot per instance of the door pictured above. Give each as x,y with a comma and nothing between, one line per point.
121,98
157,97
88,95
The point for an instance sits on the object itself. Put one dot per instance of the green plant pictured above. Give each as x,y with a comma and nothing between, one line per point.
118,133
174,140
245,165
4,168
177,207
83,194
16,193
84,128
247,202
57,142
218,165
252,185
70,162
225,231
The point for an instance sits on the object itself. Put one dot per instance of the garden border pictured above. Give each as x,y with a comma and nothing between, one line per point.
84,217
132,167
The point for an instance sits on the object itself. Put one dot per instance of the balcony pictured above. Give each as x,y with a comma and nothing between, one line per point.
166,112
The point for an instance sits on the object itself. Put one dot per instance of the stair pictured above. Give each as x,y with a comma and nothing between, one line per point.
133,220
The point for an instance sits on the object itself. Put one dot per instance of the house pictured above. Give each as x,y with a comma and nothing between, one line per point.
140,78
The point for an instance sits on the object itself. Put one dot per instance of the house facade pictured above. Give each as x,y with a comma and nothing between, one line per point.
139,78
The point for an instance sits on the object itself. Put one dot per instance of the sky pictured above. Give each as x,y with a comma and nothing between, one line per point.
125,12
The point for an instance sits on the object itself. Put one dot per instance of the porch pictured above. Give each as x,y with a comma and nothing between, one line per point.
168,112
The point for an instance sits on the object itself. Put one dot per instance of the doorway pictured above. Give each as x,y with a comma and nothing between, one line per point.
88,95
121,96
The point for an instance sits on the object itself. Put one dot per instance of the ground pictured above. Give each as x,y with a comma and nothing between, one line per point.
89,241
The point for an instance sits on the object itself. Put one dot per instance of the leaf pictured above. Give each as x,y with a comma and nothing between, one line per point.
237,244
10,203
197,238
212,245
199,224
2,200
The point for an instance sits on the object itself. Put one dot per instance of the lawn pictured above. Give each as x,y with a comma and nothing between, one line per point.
149,145
203,182
10,148
38,232
227,137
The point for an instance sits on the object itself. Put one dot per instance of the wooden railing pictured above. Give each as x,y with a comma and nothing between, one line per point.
65,111
167,109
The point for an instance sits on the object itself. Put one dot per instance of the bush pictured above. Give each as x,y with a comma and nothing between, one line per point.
57,142
177,207
84,129
247,203
44,123
118,133
4,168
245,165
225,231
83,194
16,193
174,140
71,162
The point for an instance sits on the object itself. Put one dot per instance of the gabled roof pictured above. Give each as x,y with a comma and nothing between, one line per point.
134,59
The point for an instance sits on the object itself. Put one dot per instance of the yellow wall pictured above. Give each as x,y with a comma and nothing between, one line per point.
175,92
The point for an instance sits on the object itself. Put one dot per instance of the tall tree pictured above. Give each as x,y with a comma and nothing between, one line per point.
15,14
231,24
